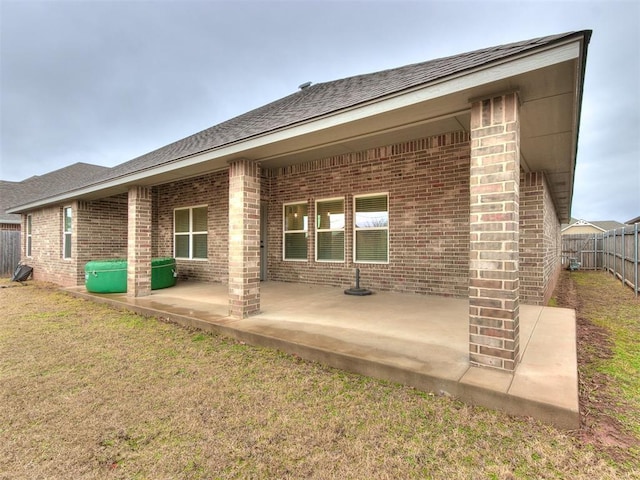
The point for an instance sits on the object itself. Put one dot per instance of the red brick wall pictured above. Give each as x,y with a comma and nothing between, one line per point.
539,240
552,245
46,247
244,238
428,185
211,190
99,231
531,238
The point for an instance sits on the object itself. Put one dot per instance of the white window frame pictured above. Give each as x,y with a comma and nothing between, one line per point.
356,229
190,233
67,235
285,231
29,235
343,229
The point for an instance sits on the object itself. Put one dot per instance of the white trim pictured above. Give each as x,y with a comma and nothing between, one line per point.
582,223
65,233
28,248
355,229
481,75
190,233
285,231
322,230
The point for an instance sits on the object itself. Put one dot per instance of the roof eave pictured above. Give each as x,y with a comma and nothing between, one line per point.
565,49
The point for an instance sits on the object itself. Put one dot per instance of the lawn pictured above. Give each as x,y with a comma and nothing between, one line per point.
91,392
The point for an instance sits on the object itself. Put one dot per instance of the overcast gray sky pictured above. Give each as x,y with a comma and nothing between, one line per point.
106,81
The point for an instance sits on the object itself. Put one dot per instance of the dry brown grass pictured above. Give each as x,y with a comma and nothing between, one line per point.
90,392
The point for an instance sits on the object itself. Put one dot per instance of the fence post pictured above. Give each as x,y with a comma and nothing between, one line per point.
636,286
623,252
615,254
605,253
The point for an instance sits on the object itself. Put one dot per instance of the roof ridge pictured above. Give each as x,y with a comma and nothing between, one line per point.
319,100
533,41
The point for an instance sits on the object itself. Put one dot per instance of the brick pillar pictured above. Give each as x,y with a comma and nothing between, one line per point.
494,332
139,242
244,238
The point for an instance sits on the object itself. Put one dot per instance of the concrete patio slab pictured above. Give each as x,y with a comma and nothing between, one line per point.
416,340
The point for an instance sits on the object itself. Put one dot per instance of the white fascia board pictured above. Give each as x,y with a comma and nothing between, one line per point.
527,62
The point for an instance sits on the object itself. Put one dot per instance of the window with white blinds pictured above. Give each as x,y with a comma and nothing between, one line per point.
296,228
371,228
330,230
190,232
29,237
67,231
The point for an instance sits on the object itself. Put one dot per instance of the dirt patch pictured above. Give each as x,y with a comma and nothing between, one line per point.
598,427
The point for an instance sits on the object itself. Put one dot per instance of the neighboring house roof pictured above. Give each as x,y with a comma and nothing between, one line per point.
313,117
603,225
63,179
8,198
632,221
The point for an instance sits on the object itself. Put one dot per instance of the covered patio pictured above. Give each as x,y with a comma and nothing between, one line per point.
417,340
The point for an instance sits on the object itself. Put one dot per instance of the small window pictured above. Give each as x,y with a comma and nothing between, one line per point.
190,232
330,230
29,242
68,228
371,228
296,228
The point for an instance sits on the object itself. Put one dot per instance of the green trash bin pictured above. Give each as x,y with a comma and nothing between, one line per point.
163,272
110,276
106,276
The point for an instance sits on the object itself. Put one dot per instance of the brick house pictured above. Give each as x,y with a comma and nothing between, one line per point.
577,227
15,193
449,177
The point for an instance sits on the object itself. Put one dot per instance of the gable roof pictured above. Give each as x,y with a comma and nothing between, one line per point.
325,98
8,197
61,180
603,225
319,102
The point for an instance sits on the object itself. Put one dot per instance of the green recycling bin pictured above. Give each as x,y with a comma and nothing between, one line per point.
106,276
163,272
110,275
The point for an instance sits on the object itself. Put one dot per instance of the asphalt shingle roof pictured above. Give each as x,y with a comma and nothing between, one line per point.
324,98
8,197
605,225
314,102
42,186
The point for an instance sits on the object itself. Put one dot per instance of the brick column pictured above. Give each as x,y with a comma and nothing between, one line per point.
494,332
139,242
244,238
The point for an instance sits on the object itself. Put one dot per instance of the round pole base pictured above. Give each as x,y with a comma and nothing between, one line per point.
360,292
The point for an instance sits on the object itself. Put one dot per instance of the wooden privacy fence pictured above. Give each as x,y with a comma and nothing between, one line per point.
616,251
9,251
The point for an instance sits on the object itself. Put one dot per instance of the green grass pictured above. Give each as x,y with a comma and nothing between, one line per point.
89,392
618,312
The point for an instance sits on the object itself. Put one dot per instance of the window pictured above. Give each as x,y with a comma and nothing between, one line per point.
190,232
330,230
296,227
67,229
28,235
371,228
